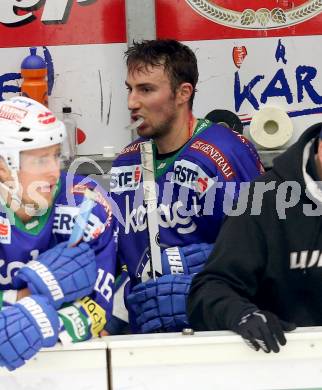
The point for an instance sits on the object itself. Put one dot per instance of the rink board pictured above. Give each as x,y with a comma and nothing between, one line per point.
205,360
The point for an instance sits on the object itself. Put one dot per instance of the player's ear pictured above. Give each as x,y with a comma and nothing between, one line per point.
184,93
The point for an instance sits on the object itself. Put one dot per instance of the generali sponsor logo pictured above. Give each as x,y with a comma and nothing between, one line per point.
215,155
133,148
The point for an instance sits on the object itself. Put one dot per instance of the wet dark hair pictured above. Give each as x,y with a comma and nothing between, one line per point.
178,61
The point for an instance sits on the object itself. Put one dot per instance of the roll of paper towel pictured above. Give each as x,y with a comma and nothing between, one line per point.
271,127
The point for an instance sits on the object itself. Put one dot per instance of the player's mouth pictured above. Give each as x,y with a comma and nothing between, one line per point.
46,188
137,121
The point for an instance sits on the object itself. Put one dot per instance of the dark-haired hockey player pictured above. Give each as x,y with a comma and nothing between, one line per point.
198,167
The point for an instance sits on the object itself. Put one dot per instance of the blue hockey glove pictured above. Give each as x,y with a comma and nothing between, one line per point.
189,259
63,274
25,328
160,305
263,330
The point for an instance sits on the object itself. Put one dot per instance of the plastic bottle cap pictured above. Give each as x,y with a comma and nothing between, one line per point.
33,61
67,110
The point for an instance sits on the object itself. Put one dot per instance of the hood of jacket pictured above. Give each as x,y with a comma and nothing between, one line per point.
292,164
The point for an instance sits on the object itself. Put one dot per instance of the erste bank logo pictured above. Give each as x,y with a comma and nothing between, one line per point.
190,175
248,15
125,178
5,231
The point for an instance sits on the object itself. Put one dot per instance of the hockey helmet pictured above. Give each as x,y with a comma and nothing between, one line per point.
26,124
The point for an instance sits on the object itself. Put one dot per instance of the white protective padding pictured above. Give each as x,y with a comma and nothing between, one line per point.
80,366
26,125
214,360
205,360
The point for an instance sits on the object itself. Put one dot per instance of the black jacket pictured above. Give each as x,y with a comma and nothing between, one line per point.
271,260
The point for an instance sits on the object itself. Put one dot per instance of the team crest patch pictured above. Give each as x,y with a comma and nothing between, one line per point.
5,231
188,174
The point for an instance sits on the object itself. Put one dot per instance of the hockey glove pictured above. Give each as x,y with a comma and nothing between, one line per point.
263,330
63,274
189,259
25,328
160,305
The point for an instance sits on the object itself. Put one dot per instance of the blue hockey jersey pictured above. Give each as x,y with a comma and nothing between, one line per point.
20,242
194,191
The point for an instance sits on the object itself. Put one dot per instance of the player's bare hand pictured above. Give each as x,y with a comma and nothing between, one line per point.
25,292
104,333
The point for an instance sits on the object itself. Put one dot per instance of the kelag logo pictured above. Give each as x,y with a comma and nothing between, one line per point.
61,22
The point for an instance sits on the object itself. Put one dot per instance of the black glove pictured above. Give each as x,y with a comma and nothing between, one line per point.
263,330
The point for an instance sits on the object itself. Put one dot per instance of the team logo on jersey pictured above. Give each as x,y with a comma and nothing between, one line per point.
169,217
5,231
188,174
64,220
126,178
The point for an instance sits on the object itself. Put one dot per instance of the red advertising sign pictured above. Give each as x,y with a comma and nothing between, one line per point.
61,22
190,20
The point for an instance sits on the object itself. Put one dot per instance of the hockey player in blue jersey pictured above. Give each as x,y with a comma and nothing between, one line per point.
46,285
199,167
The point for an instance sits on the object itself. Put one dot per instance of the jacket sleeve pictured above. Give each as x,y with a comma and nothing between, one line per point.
225,289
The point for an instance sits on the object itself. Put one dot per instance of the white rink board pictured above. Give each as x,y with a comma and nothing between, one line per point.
217,75
78,367
207,361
